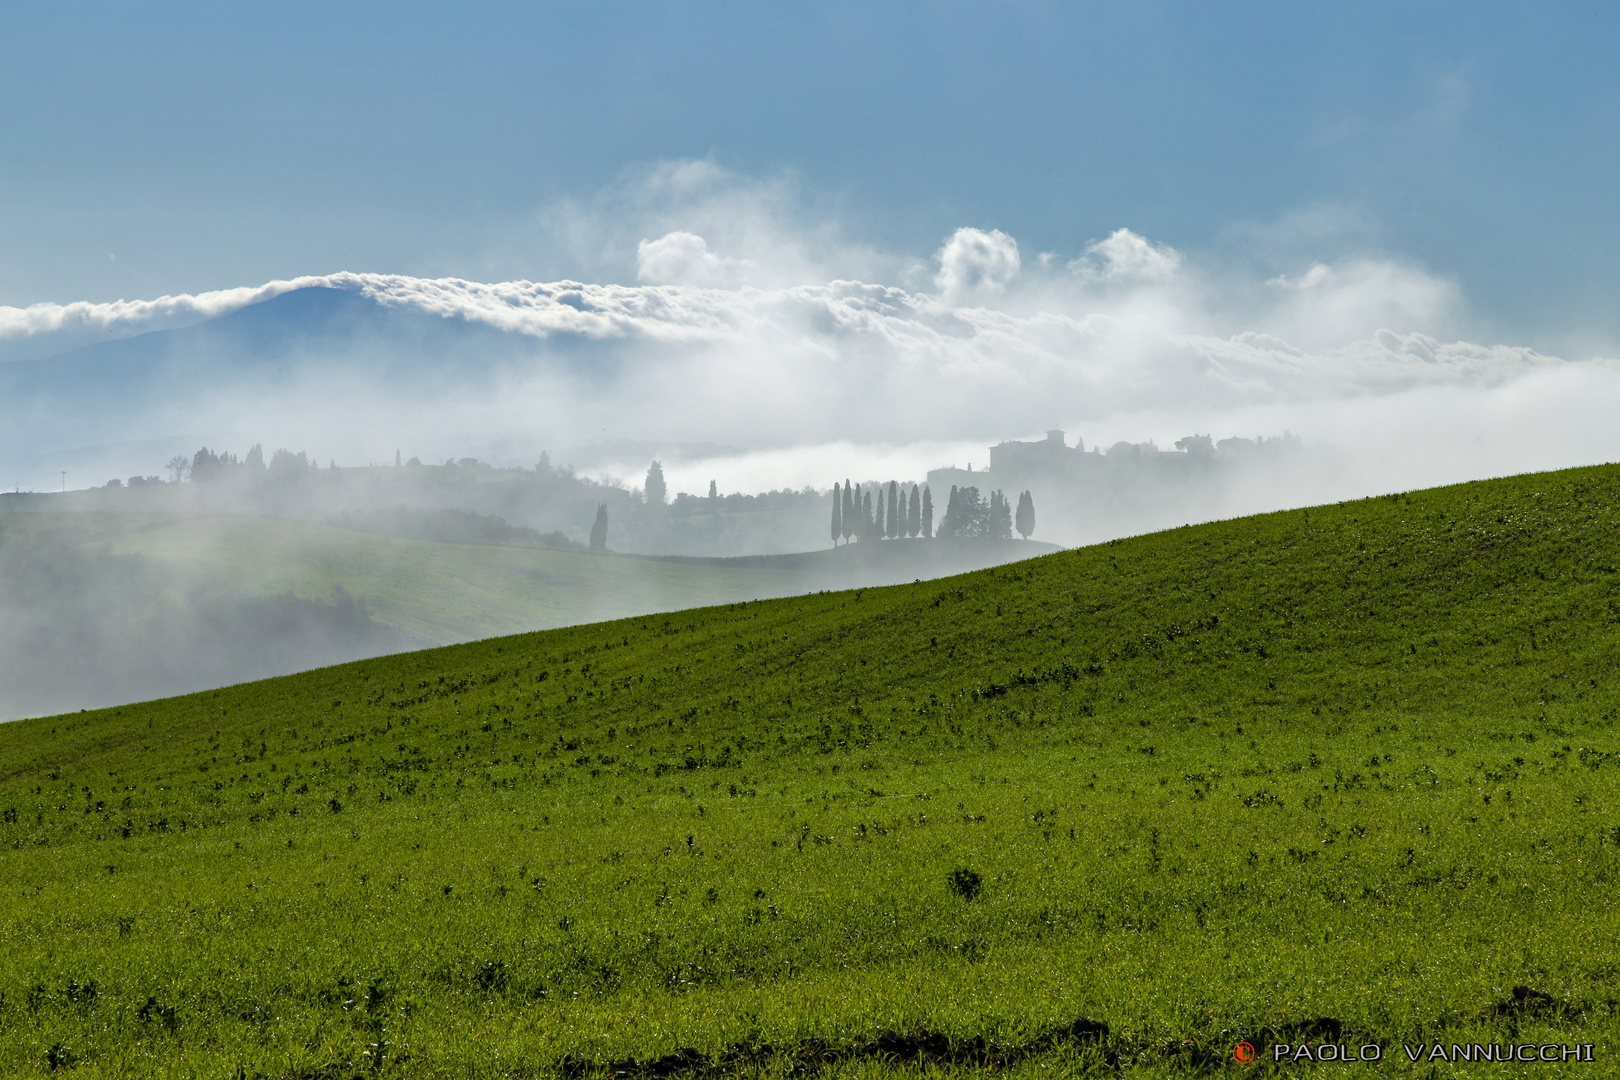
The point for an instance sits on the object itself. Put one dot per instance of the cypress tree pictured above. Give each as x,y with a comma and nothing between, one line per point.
656,490
895,514
914,513
837,514
849,511
972,513
950,523
599,528
928,514
878,529
1026,515
1001,524
867,531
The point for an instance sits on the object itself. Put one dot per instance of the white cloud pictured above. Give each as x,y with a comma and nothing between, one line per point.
683,258
1331,304
80,322
1125,256
975,261
1354,329
768,232
744,325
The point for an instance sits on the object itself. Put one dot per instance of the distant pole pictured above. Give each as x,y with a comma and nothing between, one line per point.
64,481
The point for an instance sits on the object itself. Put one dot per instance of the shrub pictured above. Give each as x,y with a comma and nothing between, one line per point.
965,883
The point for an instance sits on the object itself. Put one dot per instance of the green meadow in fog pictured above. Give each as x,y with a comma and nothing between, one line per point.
1354,762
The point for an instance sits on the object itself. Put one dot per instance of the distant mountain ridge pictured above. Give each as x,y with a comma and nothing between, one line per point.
293,349
302,321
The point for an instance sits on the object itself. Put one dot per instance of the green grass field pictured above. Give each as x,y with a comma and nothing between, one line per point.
1355,762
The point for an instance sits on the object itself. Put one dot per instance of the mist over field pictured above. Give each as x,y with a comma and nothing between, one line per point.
82,627
808,540
757,353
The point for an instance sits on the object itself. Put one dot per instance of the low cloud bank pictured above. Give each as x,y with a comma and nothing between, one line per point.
722,340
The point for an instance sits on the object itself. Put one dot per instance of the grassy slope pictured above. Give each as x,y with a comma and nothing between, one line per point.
457,592
1358,760
444,592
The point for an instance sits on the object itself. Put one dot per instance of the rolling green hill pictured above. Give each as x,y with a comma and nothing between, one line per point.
100,609
448,592
1342,772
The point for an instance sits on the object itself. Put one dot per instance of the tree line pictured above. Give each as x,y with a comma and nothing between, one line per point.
898,515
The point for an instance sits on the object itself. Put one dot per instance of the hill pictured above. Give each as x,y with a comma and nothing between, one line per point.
449,592
262,347
105,608
1344,774
366,363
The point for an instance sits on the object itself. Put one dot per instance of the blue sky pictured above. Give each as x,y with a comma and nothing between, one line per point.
160,148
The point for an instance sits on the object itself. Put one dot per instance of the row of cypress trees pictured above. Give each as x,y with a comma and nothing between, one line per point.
896,515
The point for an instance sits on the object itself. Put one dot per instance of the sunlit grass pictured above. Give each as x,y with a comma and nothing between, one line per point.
1357,761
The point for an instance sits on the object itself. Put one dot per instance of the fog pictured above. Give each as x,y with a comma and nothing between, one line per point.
82,628
736,331
127,593
733,328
